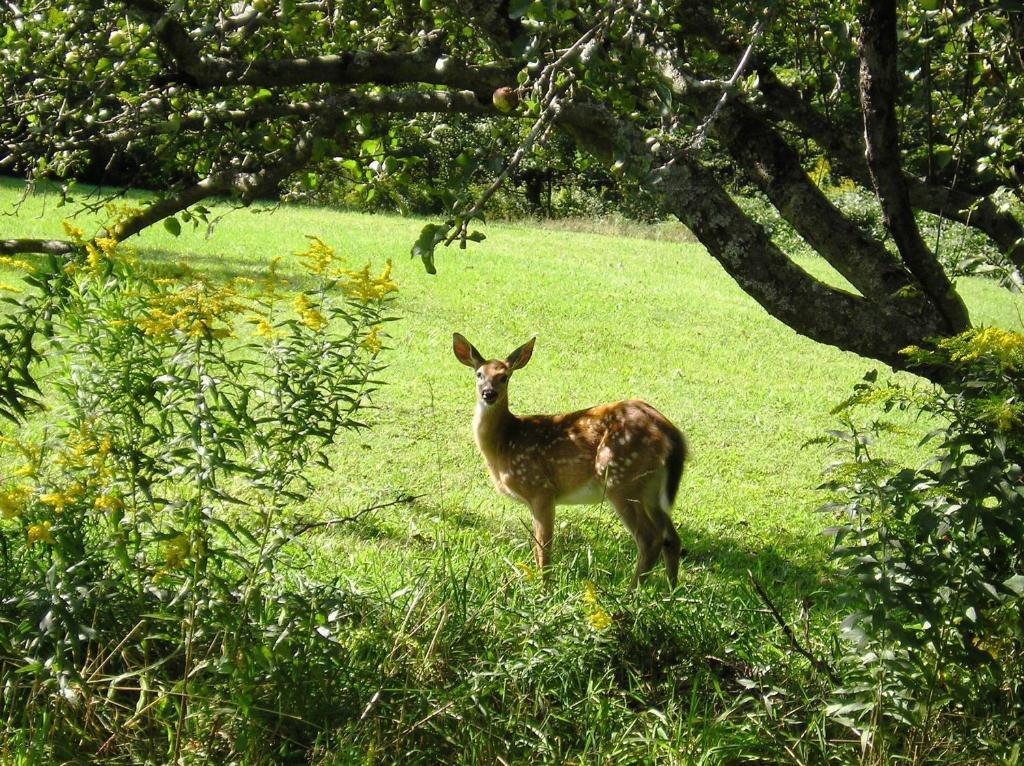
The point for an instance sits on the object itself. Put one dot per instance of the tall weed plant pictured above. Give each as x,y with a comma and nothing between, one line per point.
933,558
145,530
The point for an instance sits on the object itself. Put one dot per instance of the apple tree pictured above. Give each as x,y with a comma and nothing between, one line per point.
918,103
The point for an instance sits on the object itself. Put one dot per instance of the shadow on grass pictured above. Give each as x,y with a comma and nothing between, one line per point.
221,267
784,562
793,566
429,518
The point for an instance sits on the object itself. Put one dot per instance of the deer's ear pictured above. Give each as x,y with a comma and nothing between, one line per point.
521,355
465,352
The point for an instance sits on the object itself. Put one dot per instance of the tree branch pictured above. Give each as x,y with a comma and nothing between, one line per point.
818,664
874,328
775,167
878,92
699,135
550,105
785,104
423,65
52,246
301,529
248,186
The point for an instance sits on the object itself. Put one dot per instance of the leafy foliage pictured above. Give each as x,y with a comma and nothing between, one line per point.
962,251
644,107
932,558
146,530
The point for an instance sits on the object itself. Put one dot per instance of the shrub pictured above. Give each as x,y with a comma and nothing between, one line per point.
146,526
933,557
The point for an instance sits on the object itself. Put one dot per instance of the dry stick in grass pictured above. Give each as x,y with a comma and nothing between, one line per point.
818,664
303,528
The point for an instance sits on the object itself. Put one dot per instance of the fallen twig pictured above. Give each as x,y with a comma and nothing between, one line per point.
305,527
818,664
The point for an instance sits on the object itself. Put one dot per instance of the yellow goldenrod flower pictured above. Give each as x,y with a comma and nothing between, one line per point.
361,286
263,327
313,319
108,245
108,502
16,263
309,315
83,443
1004,415
74,232
372,341
272,281
93,258
597,617
12,500
318,256
529,573
384,281
176,550
199,310
40,533
994,343
62,499
30,452
119,213
157,324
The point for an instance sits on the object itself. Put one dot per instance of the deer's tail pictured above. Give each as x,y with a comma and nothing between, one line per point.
674,462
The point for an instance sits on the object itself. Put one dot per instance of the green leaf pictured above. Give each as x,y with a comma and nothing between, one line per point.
518,8
431,235
173,225
1016,584
942,155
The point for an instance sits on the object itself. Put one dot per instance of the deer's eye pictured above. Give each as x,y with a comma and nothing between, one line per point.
479,375
501,378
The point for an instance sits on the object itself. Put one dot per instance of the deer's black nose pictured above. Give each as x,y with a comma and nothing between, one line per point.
489,395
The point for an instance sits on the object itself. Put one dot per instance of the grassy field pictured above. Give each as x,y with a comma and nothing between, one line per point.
615,318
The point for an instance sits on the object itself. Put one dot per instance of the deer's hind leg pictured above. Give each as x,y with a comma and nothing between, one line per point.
672,547
646,533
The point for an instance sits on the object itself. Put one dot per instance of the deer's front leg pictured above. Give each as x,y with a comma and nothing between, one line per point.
543,530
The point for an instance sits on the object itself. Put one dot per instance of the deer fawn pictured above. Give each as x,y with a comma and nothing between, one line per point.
627,452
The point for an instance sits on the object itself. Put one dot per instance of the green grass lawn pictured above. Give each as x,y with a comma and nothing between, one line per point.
615,318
